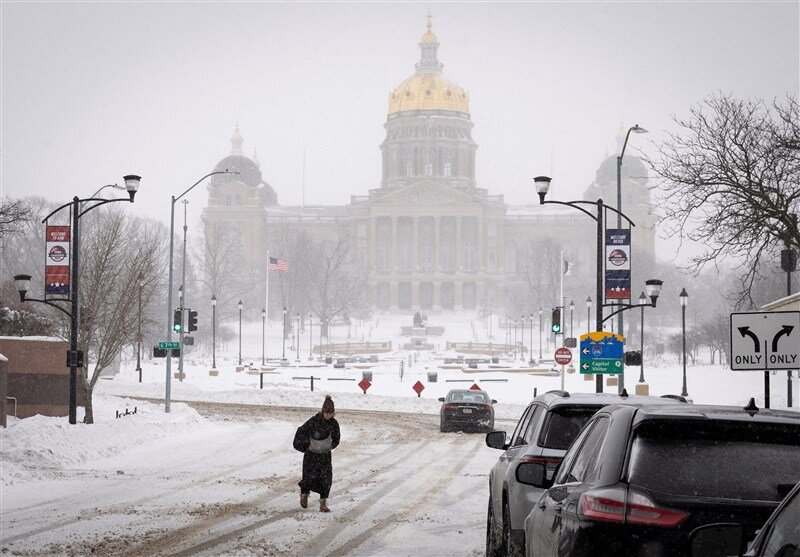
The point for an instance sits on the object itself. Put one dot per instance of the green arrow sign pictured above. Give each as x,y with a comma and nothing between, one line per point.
601,365
168,345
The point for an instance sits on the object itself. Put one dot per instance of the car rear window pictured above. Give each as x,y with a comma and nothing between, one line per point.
474,396
728,460
562,425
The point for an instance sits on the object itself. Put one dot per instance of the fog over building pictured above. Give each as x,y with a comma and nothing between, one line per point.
428,237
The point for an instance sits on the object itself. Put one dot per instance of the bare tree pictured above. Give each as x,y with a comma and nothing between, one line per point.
335,285
13,214
730,179
117,250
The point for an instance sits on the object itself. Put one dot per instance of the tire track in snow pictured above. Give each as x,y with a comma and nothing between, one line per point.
237,533
425,493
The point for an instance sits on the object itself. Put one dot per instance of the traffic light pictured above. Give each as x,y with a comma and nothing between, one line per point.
177,322
556,322
192,325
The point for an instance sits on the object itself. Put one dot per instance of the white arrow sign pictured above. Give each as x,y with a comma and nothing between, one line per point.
765,340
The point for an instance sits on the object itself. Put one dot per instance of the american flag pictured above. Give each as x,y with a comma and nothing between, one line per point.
276,264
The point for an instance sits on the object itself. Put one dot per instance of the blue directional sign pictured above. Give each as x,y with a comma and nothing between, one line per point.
601,352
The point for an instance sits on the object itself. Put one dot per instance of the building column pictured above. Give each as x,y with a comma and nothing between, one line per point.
415,247
458,287
437,238
501,248
481,255
393,257
373,239
458,246
414,294
437,294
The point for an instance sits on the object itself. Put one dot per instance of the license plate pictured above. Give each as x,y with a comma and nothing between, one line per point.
467,410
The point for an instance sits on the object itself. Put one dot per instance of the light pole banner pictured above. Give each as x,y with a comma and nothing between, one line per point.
618,264
56,269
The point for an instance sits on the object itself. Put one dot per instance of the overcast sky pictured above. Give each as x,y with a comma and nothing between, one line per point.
93,91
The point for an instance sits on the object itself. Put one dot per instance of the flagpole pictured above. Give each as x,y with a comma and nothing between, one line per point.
266,293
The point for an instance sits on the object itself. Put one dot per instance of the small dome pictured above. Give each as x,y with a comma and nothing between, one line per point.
249,174
429,38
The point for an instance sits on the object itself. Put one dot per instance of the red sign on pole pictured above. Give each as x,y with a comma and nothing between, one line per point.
364,384
475,387
418,387
56,269
563,356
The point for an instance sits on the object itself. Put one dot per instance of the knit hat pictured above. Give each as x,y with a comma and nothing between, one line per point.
327,406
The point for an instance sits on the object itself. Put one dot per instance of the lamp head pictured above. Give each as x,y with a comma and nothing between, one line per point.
589,302
132,184
638,129
263,313
571,305
284,311
542,184
23,283
239,305
642,298
653,287
684,296
213,300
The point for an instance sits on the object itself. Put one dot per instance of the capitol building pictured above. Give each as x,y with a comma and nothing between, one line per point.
428,237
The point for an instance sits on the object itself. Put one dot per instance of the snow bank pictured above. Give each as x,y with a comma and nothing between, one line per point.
38,447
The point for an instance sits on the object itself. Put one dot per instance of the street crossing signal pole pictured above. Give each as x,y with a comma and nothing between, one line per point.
598,385
183,298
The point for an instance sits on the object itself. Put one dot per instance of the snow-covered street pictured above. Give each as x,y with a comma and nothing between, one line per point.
224,481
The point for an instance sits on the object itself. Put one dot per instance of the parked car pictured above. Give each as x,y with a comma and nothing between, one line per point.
778,537
466,409
544,432
639,479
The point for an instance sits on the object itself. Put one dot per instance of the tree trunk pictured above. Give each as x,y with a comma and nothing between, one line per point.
87,396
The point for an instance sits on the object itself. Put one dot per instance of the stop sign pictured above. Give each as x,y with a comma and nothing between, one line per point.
563,356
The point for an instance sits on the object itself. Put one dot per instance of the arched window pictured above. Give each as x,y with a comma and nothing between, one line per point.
448,168
427,161
408,163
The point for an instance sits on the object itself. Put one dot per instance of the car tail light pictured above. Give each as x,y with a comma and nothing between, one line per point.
450,406
609,505
550,462
484,407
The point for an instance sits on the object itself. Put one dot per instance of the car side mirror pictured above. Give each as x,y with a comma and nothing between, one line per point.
496,440
532,473
717,540
441,399
494,401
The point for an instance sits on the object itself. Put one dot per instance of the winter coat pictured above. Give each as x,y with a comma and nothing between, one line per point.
316,439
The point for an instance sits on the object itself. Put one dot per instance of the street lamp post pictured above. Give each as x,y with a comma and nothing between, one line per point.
542,186
642,302
684,296
310,335
530,339
571,311
263,336
283,354
139,332
297,338
522,337
540,334
22,282
213,331
636,129
490,322
167,395
589,314
239,305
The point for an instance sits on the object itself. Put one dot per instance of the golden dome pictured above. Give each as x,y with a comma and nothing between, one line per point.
428,88
428,91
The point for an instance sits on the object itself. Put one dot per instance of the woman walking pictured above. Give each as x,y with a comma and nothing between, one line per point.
316,439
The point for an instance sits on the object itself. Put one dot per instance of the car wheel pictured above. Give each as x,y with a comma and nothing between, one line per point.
494,536
442,427
512,548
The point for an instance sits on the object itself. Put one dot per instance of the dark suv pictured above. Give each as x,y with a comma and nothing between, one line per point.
638,480
544,432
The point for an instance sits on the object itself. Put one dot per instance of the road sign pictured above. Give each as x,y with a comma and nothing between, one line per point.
418,388
563,356
765,340
618,263
475,387
601,352
168,345
364,385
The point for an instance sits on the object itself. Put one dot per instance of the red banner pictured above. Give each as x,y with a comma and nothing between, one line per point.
56,269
